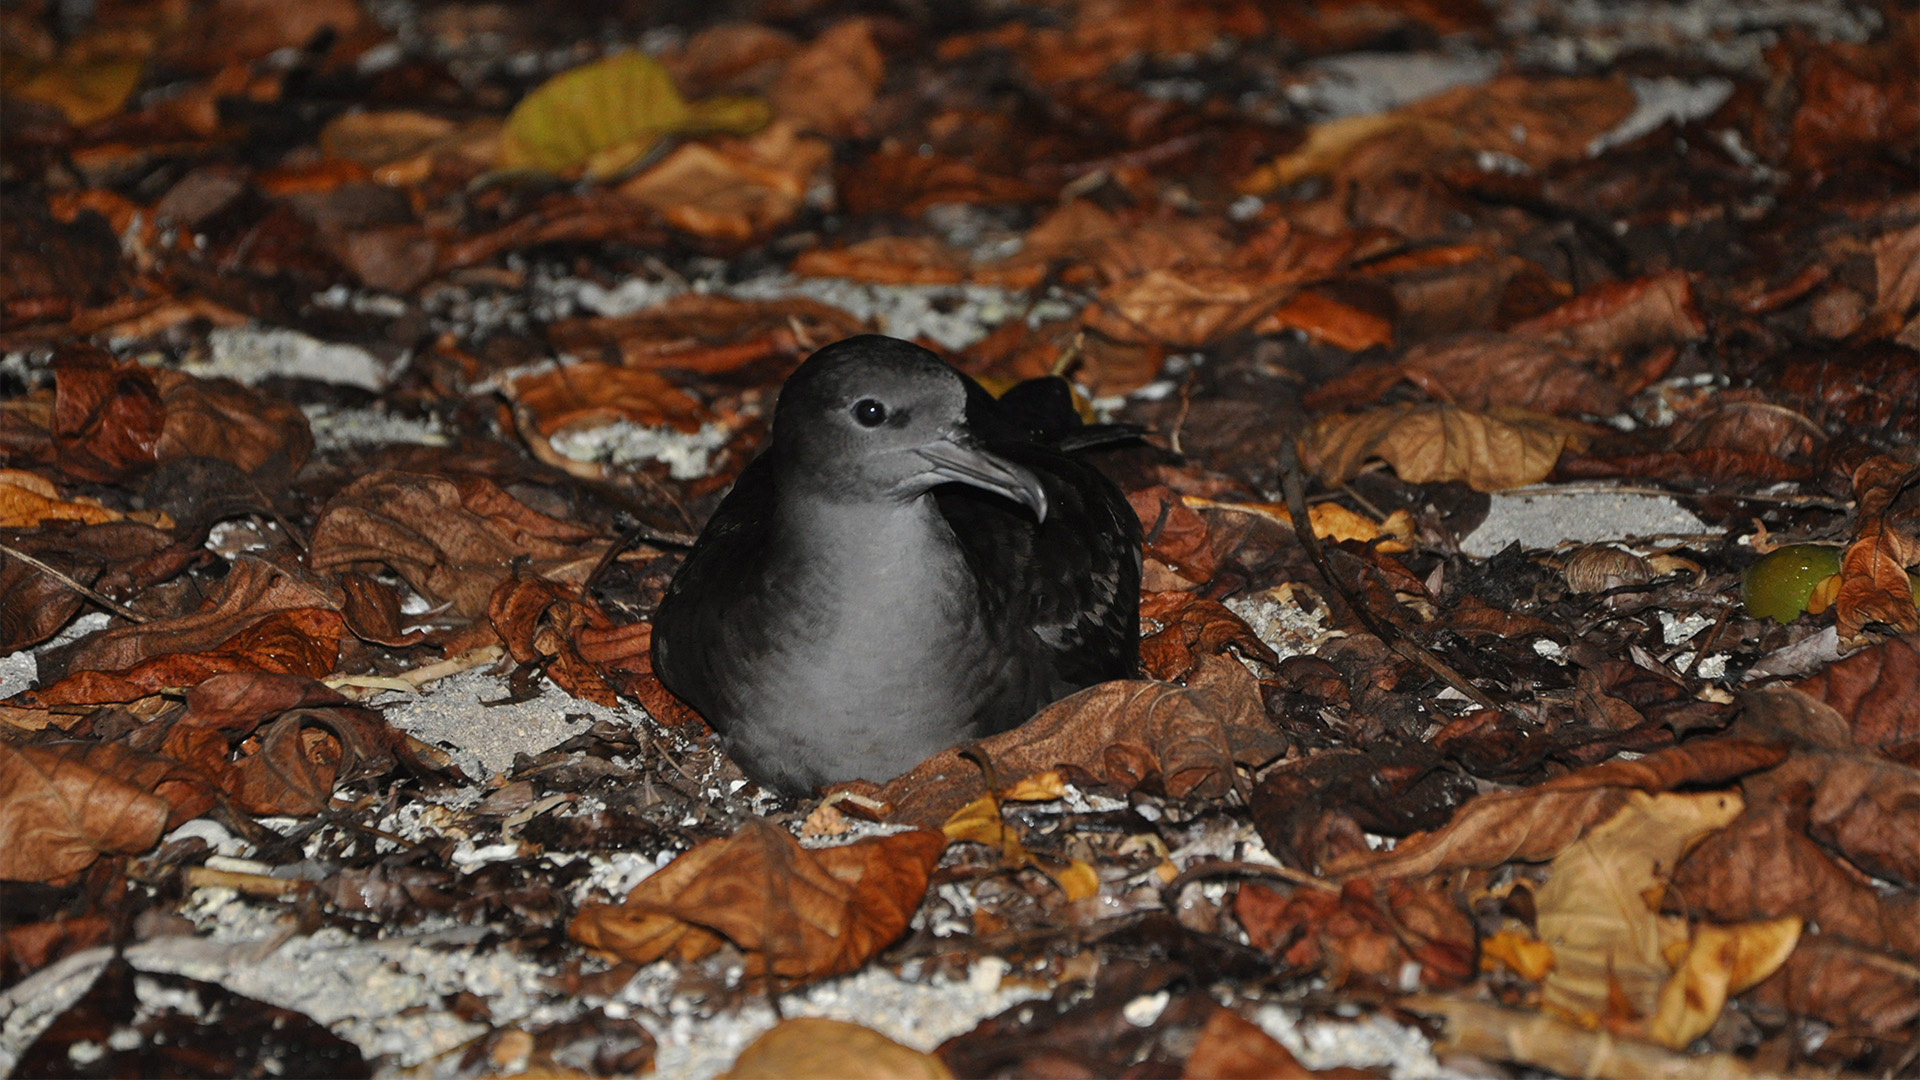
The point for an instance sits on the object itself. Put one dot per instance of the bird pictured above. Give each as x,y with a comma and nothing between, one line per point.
909,564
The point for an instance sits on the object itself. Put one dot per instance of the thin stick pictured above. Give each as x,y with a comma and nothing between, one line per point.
99,598
1293,481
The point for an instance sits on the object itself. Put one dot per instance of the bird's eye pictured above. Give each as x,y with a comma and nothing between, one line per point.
869,413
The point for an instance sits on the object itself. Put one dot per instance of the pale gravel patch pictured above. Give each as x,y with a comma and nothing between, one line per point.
1373,1042
482,738
342,429
1542,517
249,354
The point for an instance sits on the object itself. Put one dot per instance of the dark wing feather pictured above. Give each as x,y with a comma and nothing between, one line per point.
1066,592
687,633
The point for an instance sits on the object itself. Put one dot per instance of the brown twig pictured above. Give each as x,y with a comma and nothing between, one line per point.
99,598
1293,481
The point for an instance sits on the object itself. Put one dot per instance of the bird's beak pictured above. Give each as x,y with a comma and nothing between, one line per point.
956,457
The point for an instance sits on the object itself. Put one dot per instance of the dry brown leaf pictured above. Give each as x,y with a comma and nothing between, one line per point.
1764,866
1622,315
732,189
107,416
708,334
1192,627
451,540
1535,824
264,619
1598,907
221,419
64,805
815,1048
587,395
828,85
1490,451
1231,1047
539,620
1896,265
913,260
1876,692
1481,370
1538,121
1188,308
1874,586
797,914
1860,991
1121,732
1329,321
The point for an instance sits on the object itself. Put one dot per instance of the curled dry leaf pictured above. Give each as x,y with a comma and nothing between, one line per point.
451,540
1721,962
107,417
732,190
708,335
541,621
1329,321
64,805
1860,991
264,619
221,419
1490,451
108,557
1122,733
1363,933
1622,315
1192,627
1874,586
1174,533
914,260
797,914
1535,824
1538,121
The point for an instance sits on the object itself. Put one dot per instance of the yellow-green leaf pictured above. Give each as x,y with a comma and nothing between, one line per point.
605,116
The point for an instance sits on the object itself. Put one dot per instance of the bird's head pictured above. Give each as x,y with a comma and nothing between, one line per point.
877,418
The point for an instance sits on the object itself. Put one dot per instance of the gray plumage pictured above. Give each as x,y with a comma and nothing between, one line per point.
908,565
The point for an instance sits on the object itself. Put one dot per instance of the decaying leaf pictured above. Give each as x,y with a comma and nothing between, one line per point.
1122,732
63,806
451,540
1874,586
1501,448
797,914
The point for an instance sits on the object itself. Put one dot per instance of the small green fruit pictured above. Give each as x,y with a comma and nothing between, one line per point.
1777,586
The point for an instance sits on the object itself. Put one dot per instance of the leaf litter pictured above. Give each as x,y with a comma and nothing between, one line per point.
366,371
